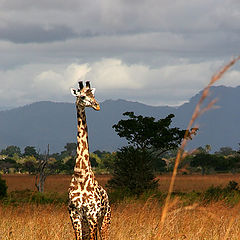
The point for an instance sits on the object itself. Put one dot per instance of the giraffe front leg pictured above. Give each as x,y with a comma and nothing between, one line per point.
104,231
76,220
93,230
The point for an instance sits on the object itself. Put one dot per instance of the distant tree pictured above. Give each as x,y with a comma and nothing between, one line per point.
11,150
29,166
94,160
107,161
234,162
225,151
69,165
30,151
203,160
42,171
71,148
7,163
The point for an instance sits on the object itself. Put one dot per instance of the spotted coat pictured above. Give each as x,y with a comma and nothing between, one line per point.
89,207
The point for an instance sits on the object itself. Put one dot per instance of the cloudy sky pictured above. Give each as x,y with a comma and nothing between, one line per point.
153,51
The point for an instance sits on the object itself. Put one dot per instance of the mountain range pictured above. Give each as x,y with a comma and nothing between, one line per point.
54,123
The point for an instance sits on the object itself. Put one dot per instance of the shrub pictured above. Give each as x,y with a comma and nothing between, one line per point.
3,188
133,172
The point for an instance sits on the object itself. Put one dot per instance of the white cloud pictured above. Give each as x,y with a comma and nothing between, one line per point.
113,78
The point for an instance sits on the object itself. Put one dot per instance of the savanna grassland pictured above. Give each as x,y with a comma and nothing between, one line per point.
183,183
131,218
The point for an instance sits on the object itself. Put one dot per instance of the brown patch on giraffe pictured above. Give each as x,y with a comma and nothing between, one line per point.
77,165
84,166
84,144
82,184
84,197
86,156
78,174
73,187
89,187
76,194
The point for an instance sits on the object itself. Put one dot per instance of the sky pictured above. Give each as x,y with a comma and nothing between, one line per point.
152,51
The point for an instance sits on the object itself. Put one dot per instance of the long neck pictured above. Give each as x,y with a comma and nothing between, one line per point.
82,164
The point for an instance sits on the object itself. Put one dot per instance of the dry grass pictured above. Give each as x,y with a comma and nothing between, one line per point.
130,221
54,183
188,183
183,183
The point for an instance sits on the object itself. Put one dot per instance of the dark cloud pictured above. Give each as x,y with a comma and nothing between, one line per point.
18,33
158,41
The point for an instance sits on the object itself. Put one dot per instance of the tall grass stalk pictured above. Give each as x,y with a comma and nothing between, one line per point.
197,112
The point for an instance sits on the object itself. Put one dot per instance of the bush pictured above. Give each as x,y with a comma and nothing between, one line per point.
229,194
133,171
3,188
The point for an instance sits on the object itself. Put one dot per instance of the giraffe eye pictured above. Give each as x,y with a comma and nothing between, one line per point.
82,97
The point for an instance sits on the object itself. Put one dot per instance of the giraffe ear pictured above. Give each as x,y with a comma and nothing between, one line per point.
74,92
93,90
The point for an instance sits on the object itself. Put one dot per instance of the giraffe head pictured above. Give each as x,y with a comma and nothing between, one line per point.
85,96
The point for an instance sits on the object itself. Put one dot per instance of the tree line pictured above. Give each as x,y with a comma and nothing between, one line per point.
152,147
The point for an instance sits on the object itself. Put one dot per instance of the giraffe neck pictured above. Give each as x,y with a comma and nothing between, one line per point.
82,165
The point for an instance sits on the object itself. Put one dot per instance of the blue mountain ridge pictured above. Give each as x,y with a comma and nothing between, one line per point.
54,123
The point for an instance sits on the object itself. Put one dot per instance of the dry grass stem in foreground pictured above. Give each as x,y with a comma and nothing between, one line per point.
197,112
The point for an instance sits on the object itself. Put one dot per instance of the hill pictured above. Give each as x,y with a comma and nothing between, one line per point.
54,123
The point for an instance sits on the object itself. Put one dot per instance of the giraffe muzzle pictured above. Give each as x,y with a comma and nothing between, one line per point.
96,106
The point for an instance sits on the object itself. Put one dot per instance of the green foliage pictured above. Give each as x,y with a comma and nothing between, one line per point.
146,133
28,196
3,188
30,151
11,150
133,171
71,148
94,160
29,166
225,151
229,194
217,162
8,163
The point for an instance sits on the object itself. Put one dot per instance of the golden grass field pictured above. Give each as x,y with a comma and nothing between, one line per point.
132,220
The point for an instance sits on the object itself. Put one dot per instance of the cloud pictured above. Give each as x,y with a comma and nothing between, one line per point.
18,33
153,51
113,78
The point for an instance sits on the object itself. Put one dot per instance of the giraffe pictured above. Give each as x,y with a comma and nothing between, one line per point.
88,207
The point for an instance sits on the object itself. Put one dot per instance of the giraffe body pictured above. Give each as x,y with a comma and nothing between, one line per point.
88,202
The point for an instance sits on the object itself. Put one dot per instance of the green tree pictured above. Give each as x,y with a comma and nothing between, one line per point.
29,166
146,133
148,139
225,151
11,150
128,165
30,151
71,149
203,160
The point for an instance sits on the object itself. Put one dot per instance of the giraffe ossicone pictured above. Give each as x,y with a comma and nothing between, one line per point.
89,207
